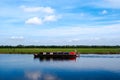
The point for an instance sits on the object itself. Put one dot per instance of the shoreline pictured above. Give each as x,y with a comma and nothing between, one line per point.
77,53
79,50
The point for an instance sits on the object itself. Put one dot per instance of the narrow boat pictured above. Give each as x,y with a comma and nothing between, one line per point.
56,55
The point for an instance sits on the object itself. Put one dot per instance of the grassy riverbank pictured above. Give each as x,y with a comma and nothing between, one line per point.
79,50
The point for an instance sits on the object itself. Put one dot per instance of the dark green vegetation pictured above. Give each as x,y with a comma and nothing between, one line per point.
80,49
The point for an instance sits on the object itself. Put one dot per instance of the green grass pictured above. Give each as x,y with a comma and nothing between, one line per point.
79,50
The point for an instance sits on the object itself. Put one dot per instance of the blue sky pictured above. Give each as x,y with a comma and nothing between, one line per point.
57,22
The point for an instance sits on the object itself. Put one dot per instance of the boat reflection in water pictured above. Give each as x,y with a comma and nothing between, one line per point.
55,59
56,56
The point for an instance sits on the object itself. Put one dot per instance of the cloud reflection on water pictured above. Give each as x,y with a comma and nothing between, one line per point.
33,75
37,75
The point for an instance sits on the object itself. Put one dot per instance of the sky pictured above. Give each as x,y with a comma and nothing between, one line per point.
60,22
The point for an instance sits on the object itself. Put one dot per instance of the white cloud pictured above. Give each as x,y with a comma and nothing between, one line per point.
107,4
48,10
82,14
34,20
80,31
104,12
50,18
17,37
43,14
39,21
74,40
115,2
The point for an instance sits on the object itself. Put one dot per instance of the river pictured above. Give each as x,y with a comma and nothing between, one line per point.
85,67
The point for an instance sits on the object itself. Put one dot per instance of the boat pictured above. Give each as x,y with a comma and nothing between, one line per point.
56,55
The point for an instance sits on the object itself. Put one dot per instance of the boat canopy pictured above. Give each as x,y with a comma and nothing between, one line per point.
72,53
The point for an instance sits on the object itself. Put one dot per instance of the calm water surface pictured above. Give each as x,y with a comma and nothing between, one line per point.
85,67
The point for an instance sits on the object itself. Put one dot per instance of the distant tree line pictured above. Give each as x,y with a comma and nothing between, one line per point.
55,46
